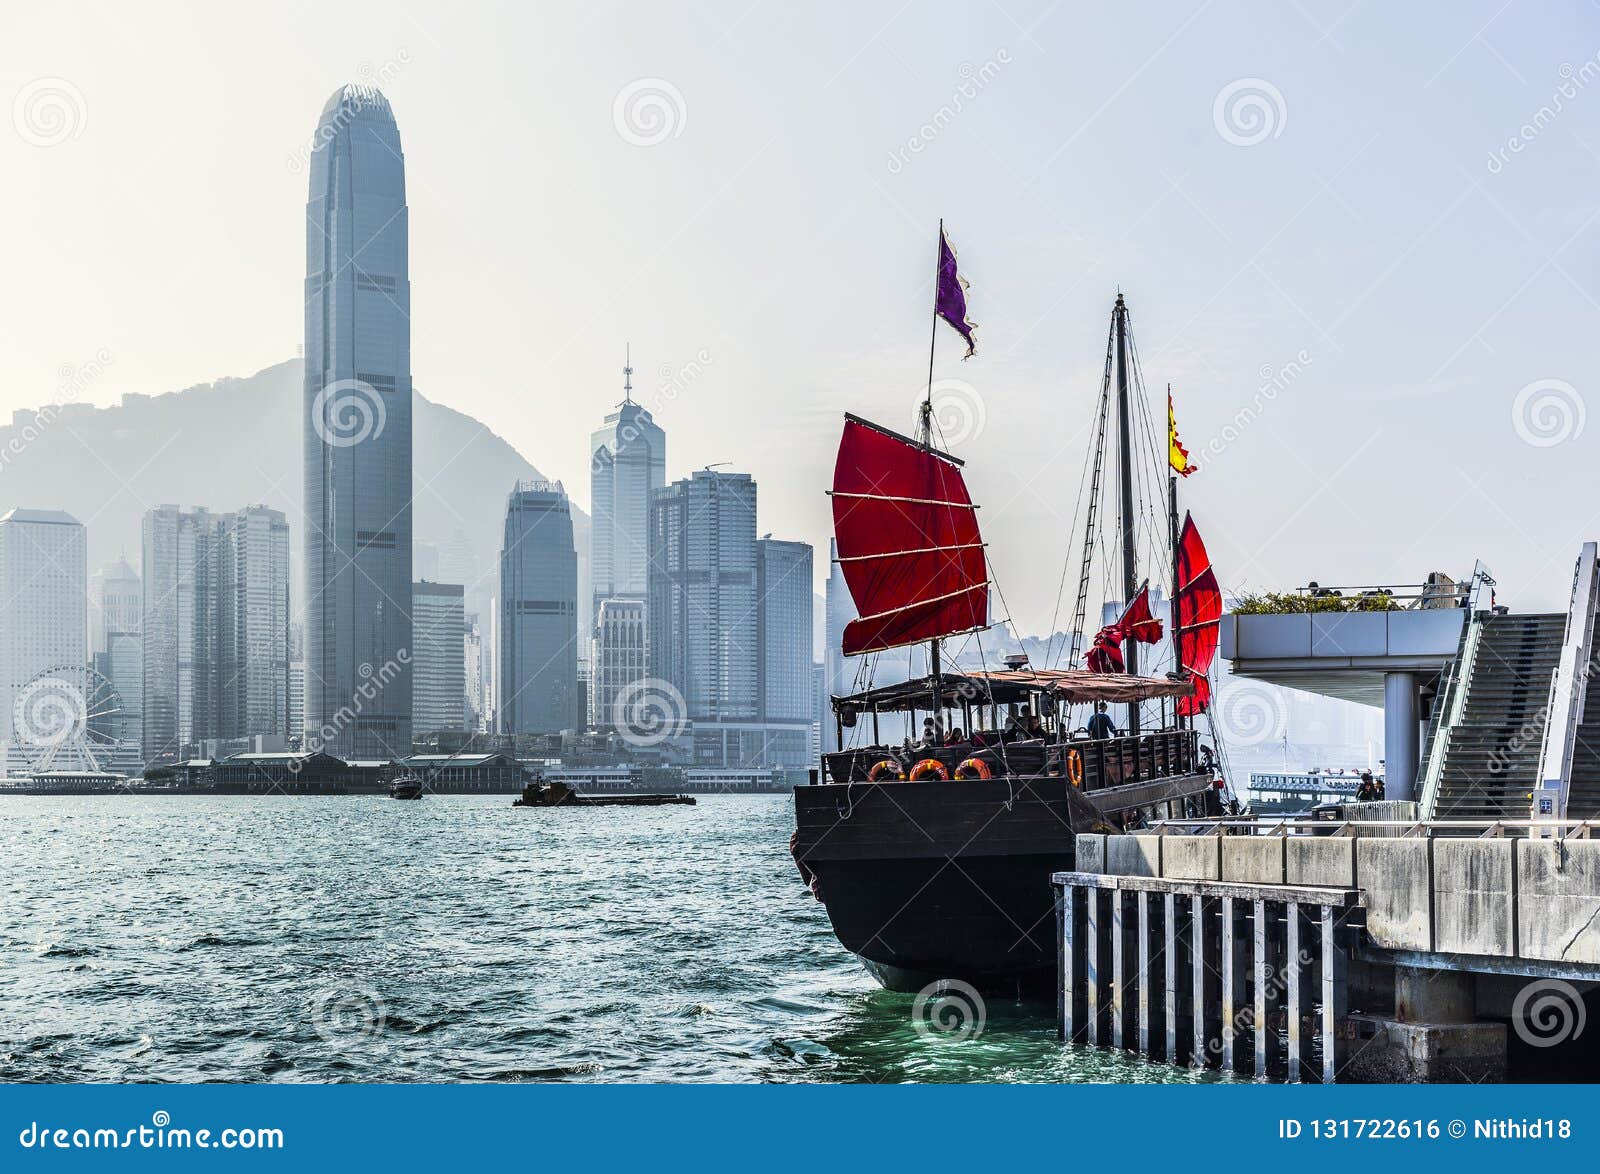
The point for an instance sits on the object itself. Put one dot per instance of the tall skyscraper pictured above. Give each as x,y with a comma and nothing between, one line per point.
839,609
783,670
537,679
621,655
627,464
703,621
179,618
296,724
116,648
358,433
44,630
472,652
820,715
253,624
438,667
215,618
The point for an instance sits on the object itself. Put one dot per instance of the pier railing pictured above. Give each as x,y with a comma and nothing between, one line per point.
1564,710
1448,707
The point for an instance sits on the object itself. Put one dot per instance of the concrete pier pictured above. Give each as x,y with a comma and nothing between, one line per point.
1373,950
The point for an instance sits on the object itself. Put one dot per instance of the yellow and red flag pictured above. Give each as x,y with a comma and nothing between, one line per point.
1177,455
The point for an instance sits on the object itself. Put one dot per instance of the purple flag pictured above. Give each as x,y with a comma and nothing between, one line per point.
950,300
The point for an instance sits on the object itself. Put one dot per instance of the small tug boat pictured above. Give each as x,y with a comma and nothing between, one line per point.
406,787
557,794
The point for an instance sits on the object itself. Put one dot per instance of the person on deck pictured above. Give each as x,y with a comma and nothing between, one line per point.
956,738
1100,724
1368,791
1024,724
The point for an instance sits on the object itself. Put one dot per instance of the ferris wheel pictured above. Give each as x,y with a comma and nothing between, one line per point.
68,717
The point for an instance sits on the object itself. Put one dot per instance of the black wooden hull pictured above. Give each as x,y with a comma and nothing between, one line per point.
951,879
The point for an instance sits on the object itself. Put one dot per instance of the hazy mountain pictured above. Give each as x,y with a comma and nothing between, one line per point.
237,442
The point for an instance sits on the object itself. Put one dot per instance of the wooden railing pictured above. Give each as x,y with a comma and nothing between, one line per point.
1106,762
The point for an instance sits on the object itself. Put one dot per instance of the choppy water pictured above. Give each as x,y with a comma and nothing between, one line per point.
455,939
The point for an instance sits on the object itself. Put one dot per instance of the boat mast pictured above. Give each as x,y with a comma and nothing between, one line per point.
1130,571
925,436
1172,531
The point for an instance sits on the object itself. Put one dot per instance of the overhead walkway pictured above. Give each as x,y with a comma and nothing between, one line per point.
1396,658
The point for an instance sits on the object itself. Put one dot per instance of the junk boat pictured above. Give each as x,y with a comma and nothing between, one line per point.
934,861
559,794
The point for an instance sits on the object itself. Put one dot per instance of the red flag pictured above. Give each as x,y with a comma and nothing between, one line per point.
1136,623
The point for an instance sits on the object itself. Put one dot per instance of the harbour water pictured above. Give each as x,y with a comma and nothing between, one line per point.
455,939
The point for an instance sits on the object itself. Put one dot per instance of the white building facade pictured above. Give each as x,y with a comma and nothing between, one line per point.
44,630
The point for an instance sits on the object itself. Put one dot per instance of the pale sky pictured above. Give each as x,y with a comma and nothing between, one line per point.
1436,301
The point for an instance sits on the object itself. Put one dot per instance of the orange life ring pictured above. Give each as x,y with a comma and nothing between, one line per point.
928,766
974,768
886,769
1075,767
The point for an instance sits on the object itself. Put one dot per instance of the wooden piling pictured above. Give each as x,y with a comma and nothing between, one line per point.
1177,970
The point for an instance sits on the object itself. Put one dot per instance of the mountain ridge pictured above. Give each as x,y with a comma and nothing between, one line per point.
236,441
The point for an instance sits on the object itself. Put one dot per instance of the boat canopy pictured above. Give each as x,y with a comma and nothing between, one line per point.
909,545
1008,686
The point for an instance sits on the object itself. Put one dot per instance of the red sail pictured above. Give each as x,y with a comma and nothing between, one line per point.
908,538
1197,612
